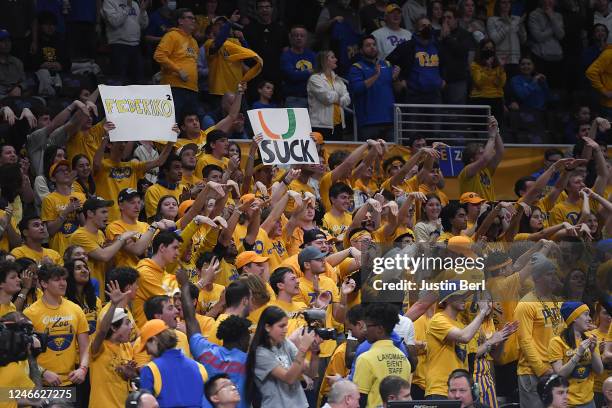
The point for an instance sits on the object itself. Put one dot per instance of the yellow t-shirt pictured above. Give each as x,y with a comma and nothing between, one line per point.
308,296
111,389
299,187
200,140
293,310
149,284
206,159
15,375
52,206
382,360
154,194
443,355
227,273
26,252
481,183
91,314
118,227
274,249
539,322
336,365
63,324
292,262
564,211
188,182
112,177
213,335
420,334
208,298
337,226
337,109
85,142
90,242
607,372
4,242
7,308
582,377
505,292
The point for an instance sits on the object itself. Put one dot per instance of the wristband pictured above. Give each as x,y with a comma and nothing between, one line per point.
84,368
21,296
285,182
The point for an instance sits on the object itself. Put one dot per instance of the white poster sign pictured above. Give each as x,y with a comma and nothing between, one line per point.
286,136
139,112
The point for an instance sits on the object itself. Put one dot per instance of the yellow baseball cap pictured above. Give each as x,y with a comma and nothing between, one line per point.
151,329
391,8
471,197
184,207
247,257
54,166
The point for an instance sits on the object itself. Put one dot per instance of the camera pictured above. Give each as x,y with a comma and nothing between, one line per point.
15,341
315,318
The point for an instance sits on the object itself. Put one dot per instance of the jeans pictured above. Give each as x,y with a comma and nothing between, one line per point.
186,100
528,391
455,93
383,131
127,62
296,102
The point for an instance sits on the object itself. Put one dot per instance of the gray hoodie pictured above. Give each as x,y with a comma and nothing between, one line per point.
123,23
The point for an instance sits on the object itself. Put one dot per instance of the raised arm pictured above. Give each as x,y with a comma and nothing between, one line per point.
116,296
227,122
489,154
468,332
191,323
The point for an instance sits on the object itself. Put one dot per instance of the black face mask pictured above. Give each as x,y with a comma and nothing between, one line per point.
425,32
486,54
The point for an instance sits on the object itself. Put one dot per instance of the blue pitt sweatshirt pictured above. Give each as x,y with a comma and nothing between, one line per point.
425,73
296,69
373,105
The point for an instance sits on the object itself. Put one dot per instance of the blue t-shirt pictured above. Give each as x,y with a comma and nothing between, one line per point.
296,69
365,346
82,10
217,359
158,25
261,105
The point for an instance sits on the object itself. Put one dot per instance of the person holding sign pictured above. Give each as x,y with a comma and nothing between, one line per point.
112,175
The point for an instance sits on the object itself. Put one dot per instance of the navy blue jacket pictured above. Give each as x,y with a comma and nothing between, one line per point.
373,105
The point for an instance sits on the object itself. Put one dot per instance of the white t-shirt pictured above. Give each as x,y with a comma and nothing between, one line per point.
405,329
387,40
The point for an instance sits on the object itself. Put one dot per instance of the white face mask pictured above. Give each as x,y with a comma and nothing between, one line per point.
171,4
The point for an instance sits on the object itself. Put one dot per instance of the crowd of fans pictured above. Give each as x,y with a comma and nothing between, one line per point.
189,274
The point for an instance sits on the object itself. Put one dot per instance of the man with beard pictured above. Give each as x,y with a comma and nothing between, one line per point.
419,60
91,238
371,85
447,339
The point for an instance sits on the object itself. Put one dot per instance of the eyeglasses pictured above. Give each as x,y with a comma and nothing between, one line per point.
229,385
188,17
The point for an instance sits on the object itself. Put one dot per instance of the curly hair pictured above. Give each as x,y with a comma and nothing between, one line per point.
232,329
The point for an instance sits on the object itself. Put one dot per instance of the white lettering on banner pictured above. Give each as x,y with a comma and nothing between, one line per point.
139,112
286,136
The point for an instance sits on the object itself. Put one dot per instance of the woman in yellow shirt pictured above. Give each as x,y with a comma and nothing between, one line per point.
488,79
575,356
112,364
167,209
84,182
80,290
531,226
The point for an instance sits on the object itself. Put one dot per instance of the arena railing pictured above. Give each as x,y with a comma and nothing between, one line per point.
453,124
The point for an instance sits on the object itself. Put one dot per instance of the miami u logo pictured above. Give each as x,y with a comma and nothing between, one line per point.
275,136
